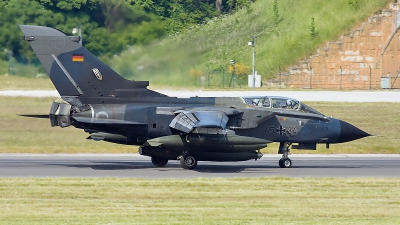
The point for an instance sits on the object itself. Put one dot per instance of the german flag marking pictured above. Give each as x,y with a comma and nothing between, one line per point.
77,58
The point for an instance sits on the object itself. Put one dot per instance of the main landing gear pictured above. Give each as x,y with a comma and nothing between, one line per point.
159,162
188,161
285,162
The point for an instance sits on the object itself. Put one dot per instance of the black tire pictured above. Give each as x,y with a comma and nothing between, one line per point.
159,162
280,163
182,162
285,163
188,162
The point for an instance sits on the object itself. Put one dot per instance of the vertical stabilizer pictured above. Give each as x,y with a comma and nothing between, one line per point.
76,72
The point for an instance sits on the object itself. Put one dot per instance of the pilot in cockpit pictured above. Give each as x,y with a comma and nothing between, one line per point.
289,104
255,102
292,104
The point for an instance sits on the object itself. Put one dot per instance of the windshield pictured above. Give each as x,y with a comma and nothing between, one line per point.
279,103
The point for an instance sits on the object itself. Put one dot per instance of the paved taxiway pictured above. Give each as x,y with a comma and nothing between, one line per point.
132,165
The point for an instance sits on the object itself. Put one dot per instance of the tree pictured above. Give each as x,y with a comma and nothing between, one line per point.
218,5
3,4
108,26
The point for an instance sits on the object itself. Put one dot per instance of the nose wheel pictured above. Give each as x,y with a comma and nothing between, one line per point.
188,161
284,149
285,163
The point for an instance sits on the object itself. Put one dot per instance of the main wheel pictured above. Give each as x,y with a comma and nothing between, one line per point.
159,162
188,161
285,163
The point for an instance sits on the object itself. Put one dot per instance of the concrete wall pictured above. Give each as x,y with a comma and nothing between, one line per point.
356,61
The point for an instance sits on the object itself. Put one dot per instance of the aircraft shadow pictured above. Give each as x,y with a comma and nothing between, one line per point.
206,168
108,165
128,165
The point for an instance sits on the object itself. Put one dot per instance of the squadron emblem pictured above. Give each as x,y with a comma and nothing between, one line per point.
97,73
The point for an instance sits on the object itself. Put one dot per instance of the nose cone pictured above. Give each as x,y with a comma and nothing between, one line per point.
349,132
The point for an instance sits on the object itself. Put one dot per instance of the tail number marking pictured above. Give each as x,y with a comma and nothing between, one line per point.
281,130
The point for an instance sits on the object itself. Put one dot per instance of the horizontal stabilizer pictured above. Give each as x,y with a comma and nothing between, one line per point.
41,116
104,121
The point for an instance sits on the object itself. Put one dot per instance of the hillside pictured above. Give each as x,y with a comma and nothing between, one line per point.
284,36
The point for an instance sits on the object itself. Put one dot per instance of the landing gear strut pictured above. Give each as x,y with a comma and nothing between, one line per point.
284,149
188,161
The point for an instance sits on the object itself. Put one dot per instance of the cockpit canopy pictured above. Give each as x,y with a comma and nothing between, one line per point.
279,103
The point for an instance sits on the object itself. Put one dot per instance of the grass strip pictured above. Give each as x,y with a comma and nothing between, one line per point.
200,201
29,135
25,83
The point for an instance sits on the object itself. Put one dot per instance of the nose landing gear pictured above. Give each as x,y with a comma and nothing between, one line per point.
284,149
188,161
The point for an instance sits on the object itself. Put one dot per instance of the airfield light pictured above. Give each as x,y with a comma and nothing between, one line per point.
251,43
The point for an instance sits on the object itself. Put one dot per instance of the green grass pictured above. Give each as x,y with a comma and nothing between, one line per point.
171,60
200,201
30,135
21,69
3,67
25,83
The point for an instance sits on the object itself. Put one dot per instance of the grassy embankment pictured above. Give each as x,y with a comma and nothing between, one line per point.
30,135
200,201
181,59
173,60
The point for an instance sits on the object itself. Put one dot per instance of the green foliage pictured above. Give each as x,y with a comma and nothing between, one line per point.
3,5
177,15
276,12
226,37
312,29
234,5
198,35
108,26
355,4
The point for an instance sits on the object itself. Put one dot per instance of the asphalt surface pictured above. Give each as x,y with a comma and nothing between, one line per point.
136,166
325,96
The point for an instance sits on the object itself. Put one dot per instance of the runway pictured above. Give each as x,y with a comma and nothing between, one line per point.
325,96
137,166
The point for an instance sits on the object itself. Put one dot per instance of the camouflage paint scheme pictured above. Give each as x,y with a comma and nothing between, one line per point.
110,108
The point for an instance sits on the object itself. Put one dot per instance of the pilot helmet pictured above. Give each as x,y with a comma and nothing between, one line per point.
289,102
255,101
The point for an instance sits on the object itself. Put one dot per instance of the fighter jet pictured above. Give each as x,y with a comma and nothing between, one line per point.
110,108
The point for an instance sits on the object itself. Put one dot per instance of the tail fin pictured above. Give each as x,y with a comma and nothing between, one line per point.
76,72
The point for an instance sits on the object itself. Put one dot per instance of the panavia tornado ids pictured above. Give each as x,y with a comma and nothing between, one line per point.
113,109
